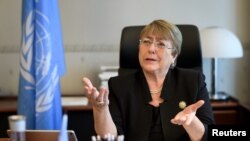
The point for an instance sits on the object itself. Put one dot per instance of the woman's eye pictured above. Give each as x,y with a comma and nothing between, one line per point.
161,45
148,42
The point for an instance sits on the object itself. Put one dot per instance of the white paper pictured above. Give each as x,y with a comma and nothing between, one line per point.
75,101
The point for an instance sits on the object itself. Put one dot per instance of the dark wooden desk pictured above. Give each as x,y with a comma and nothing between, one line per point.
226,112
4,139
9,104
80,118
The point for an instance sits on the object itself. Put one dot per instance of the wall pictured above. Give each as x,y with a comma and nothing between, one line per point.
92,28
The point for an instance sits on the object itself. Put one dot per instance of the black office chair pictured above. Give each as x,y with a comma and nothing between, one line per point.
190,57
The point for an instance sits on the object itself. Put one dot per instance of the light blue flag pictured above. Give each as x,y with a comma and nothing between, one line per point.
41,65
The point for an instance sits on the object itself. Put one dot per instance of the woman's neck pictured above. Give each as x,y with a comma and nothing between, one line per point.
155,80
155,83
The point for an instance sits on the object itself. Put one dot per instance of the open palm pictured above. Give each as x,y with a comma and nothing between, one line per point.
186,116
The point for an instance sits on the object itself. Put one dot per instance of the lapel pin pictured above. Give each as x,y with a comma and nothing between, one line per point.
182,104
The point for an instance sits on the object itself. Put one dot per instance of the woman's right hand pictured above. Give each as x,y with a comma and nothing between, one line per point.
99,99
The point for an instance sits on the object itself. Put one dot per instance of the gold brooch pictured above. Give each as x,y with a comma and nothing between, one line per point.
182,104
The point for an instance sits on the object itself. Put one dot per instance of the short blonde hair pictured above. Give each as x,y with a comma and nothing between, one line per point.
167,31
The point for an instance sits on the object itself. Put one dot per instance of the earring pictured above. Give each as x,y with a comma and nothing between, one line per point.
172,66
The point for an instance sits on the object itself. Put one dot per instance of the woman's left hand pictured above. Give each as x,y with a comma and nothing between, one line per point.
186,116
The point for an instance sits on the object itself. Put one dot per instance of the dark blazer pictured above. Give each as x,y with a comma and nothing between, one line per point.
129,103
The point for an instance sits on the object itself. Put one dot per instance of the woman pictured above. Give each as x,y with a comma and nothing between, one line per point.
151,104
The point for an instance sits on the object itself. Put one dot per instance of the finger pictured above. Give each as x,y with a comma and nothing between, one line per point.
197,105
87,90
90,93
180,118
174,121
87,82
100,97
106,94
102,90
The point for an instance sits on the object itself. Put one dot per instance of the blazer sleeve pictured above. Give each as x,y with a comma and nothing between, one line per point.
204,113
114,105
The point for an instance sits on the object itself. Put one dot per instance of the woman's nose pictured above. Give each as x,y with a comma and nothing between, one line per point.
152,47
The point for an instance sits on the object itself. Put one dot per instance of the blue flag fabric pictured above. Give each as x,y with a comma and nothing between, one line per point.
41,65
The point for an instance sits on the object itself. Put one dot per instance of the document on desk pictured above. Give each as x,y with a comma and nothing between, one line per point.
75,101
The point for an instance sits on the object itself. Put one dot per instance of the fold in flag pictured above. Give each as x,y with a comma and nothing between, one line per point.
41,65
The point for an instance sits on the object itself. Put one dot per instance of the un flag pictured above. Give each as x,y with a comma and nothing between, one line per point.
41,65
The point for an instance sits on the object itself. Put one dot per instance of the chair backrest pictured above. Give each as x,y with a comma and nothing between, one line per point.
190,57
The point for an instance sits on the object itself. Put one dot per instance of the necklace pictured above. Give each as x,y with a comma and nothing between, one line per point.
156,91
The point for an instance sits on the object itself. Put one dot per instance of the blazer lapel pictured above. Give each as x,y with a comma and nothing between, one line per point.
169,108
143,111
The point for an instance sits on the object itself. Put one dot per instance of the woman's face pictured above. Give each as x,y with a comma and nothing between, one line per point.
155,54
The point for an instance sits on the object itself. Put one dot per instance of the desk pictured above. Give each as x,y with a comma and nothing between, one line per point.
226,112
9,104
4,139
80,118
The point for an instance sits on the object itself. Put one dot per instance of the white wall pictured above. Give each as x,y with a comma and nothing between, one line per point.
92,28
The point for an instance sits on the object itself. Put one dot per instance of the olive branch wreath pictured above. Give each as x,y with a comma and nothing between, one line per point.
45,95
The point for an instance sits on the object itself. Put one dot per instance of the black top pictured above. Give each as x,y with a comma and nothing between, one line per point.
156,133
129,96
